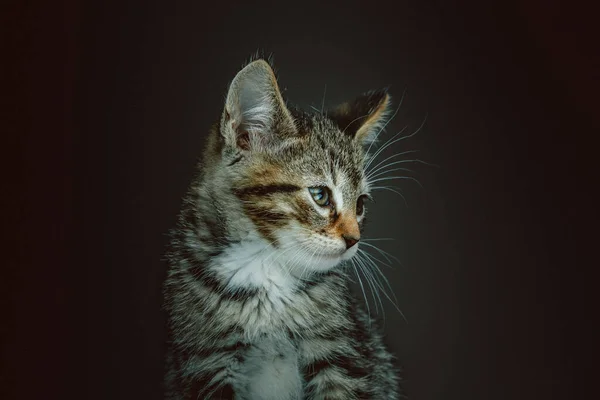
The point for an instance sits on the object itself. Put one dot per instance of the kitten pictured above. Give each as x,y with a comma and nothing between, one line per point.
257,296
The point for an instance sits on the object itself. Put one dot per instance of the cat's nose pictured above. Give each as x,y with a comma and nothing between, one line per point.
350,240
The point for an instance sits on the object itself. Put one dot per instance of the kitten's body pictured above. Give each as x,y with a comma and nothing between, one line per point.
258,305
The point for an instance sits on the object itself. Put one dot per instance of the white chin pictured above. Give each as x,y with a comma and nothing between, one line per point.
348,254
319,263
326,262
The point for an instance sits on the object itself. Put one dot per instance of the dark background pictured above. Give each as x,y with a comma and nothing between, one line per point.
107,107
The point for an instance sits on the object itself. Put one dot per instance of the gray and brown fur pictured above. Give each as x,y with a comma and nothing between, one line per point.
252,313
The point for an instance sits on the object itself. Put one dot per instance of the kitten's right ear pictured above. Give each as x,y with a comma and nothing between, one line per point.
364,117
254,110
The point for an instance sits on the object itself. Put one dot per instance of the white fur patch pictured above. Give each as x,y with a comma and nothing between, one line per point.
271,372
256,264
338,198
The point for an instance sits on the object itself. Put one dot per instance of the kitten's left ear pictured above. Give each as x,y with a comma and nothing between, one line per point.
364,117
255,112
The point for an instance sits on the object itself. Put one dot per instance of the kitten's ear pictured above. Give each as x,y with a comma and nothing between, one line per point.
255,112
364,117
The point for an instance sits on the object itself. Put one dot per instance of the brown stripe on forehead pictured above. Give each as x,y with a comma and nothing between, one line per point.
265,190
354,174
265,173
332,165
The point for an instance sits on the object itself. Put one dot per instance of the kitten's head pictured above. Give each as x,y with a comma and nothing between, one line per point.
299,177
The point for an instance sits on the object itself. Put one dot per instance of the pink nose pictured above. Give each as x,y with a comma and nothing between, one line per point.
350,240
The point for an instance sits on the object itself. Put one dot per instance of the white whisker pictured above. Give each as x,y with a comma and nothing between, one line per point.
369,258
395,141
387,178
375,168
382,252
391,190
362,288
390,170
387,122
373,285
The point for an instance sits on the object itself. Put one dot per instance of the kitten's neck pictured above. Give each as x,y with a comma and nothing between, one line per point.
255,265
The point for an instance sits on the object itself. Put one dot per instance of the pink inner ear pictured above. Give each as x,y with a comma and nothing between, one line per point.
243,140
242,136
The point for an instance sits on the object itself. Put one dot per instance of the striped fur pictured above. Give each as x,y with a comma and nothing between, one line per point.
257,296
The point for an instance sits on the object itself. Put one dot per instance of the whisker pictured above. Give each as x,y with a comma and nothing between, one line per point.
402,162
372,284
390,157
391,190
382,252
397,140
387,178
387,144
354,120
362,288
388,171
364,269
388,121
370,258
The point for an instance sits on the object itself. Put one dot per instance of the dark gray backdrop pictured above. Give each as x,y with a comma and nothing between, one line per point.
121,94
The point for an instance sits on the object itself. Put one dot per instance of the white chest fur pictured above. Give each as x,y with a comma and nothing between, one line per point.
257,265
270,372
270,369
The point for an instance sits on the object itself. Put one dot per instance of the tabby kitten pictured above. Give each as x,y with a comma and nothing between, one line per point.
258,300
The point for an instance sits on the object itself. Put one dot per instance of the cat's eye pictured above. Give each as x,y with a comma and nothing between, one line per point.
360,204
320,195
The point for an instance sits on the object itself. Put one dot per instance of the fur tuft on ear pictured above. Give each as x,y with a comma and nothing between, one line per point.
260,54
254,109
364,117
